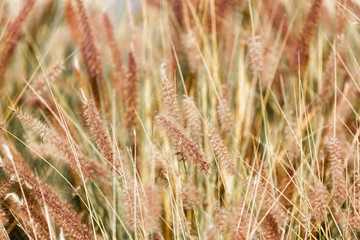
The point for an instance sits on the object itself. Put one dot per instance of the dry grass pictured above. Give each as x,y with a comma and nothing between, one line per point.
179,119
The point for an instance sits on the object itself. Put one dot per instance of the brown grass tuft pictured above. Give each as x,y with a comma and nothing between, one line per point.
291,138
183,142
269,70
191,52
270,229
192,119
62,213
130,92
74,159
12,36
31,216
328,78
225,116
341,18
221,217
89,50
71,15
221,151
336,162
132,199
169,95
116,56
306,36
256,55
153,208
319,198
100,134
190,196
269,203
52,75
241,226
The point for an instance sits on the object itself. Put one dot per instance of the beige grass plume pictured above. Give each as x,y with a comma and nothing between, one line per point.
192,120
12,36
220,149
338,180
170,95
50,136
183,142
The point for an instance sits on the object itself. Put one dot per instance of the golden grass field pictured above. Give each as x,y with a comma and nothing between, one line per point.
179,119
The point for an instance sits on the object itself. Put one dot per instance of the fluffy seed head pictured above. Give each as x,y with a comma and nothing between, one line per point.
184,143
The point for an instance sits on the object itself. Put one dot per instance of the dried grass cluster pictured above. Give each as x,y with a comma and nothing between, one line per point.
248,131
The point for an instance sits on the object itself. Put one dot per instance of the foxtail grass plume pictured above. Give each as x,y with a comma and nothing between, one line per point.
224,115
116,56
63,214
100,134
306,35
169,95
51,76
12,36
221,216
333,61
190,197
74,159
71,15
192,121
256,55
191,51
336,162
221,151
319,197
187,146
89,49
241,226
131,92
